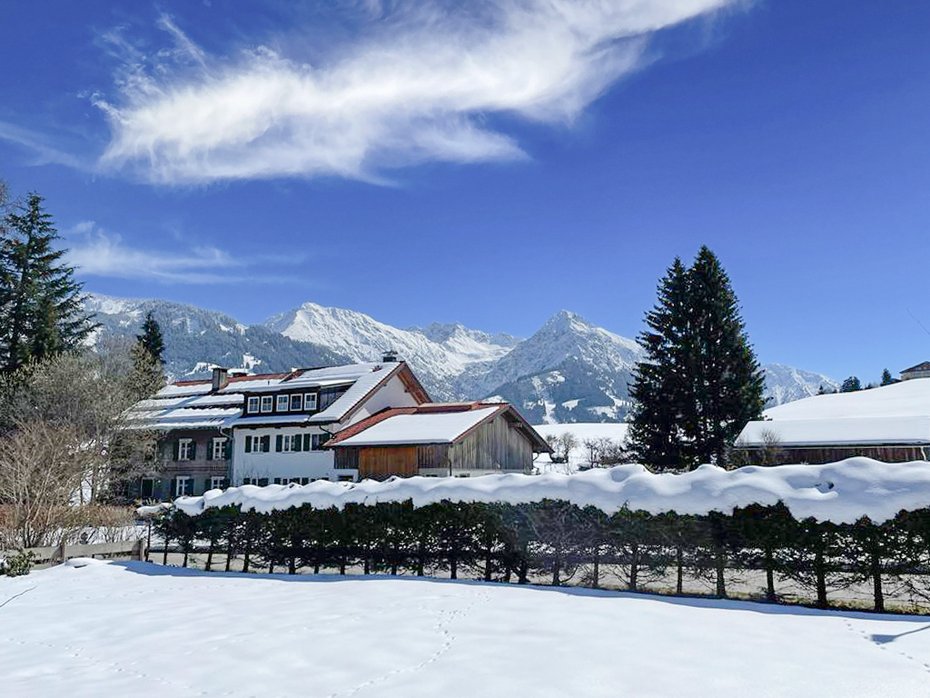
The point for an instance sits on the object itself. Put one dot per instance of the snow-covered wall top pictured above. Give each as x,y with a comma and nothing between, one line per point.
840,492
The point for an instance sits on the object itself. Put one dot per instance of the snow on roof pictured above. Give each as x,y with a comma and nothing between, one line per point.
252,384
850,430
364,384
840,492
420,428
333,375
184,418
185,388
231,399
888,414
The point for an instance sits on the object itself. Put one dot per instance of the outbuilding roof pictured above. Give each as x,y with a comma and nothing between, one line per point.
891,414
430,423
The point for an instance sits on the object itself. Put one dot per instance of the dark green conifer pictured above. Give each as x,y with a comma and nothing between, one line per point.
41,304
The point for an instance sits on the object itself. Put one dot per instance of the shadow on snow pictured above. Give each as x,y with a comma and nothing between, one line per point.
152,570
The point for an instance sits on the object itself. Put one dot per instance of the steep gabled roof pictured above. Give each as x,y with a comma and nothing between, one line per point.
194,404
430,423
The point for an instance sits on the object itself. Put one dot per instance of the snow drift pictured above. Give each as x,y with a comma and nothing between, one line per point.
840,492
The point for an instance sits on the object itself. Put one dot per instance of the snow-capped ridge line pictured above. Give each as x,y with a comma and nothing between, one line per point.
842,492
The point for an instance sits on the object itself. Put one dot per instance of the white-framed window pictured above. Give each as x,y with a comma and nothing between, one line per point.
218,446
182,485
297,402
289,442
310,401
257,444
267,403
283,403
252,406
217,482
185,449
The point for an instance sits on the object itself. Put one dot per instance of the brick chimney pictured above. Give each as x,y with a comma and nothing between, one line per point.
220,378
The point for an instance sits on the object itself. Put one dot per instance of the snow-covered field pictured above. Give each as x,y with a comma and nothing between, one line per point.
582,431
136,629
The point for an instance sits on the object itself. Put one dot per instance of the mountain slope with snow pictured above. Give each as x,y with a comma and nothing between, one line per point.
196,339
568,371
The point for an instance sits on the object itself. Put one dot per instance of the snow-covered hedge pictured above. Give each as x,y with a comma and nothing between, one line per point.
841,493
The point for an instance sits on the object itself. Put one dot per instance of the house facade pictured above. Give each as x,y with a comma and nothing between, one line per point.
370,420
921,370
194,450
237,428
285,423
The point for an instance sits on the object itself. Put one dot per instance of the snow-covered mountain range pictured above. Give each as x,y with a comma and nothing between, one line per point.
568,371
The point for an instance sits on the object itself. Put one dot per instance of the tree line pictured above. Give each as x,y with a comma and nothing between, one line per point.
559,543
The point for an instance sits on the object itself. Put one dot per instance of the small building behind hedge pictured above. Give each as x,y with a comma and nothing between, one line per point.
890,423
439,439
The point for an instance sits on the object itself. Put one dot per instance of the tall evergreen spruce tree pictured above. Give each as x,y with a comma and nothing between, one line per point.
41,305
152,339
700,382
661,390
148,363
887,379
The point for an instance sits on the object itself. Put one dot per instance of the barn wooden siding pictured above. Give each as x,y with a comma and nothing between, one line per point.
381,462
817,456
494,445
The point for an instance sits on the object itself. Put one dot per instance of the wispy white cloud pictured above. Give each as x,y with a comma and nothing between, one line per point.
43,152
99,253
418,83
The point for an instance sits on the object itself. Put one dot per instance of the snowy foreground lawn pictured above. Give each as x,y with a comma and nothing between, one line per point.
136,629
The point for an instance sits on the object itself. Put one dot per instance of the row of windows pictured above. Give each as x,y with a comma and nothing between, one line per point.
186,449
183,485
263,481
285,443
296,402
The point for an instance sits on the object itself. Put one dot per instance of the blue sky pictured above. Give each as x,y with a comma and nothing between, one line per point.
419,162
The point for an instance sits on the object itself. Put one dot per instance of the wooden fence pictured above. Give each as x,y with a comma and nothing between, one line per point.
56,554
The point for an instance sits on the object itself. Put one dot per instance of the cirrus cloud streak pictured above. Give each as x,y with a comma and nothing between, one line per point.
417,83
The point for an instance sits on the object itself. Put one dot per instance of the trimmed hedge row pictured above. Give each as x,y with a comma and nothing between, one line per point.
567,544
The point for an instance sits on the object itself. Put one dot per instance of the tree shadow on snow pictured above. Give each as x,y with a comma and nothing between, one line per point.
885,639
152,569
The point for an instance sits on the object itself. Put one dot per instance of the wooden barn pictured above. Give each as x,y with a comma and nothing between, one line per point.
439,439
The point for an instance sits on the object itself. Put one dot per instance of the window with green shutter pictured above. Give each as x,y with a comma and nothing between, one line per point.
307,442
248,444
278,442
266,445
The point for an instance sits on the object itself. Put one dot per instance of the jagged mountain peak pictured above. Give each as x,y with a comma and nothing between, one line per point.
568,370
